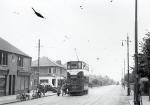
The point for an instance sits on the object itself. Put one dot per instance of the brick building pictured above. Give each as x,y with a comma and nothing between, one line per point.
15,69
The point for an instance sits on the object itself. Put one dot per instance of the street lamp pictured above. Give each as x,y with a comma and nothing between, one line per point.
136,76
38,61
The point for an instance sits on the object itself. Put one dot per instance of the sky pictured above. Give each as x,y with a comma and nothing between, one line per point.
95,28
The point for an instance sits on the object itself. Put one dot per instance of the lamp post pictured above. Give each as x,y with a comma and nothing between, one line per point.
128,91
38,69
136,76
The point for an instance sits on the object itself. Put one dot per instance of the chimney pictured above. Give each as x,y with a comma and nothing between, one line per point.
58,61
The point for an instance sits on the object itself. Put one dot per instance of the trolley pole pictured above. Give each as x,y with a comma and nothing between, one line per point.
76,53
136,76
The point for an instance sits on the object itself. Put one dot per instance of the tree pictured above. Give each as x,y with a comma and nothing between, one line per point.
100,81
144,59
131,77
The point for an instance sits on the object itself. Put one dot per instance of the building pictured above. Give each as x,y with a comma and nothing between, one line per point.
15,69
50,72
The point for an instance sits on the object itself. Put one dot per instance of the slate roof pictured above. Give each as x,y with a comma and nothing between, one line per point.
45,61
6,46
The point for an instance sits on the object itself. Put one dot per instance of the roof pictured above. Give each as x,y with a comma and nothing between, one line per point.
45,61
6,46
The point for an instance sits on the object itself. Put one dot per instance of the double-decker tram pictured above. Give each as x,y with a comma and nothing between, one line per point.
77,77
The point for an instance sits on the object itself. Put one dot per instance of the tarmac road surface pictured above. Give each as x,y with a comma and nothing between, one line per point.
105,95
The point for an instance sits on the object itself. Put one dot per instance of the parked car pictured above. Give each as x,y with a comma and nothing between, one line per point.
49,87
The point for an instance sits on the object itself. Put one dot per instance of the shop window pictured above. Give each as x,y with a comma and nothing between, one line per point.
3,58
26,82
2,85
20,61
22,83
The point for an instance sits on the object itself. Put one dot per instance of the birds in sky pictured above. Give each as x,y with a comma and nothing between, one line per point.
17,13
81,7
38,14
66,37
97,58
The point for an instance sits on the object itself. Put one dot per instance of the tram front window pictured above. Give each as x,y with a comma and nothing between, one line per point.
74,65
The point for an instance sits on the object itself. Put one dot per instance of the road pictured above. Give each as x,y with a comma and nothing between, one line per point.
105,95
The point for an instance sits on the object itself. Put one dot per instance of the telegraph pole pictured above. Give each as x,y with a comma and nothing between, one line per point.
38,60
128,90
136,76
128,78
124,72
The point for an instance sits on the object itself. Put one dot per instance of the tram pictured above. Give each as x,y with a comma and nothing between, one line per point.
77,77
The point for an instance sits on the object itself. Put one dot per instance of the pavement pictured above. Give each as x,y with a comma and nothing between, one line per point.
145,99
12,98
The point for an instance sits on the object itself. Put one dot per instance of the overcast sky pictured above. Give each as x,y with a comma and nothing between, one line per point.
94,27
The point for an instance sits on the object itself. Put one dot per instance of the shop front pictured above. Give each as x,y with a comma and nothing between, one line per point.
23,81
3,80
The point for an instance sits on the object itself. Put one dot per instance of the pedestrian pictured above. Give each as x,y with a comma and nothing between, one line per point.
64,89
39,93
59,90
43,89
28,94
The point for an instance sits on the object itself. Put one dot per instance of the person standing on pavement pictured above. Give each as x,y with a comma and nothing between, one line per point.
64,89
59,90
43,89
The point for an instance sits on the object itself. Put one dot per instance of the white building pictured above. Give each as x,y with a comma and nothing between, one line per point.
50,72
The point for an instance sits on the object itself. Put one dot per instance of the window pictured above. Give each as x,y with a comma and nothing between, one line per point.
20,61
60,71
79,65
2,83
54,81
3,58
43,81
49,70
68,66
83,65
73,65
54,70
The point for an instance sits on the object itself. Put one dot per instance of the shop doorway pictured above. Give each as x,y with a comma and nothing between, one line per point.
2,85
9,92
13,87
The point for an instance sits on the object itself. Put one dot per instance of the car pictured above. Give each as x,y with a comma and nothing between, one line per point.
48,86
